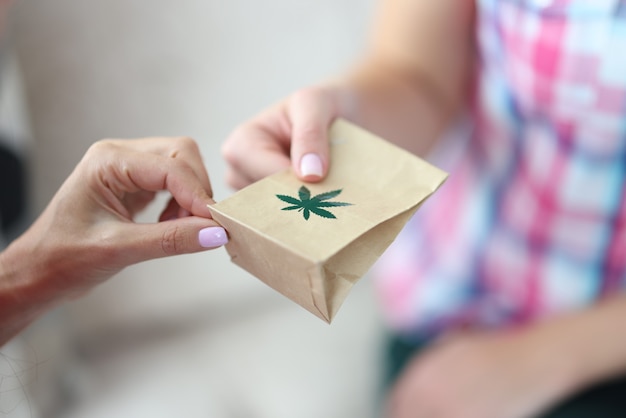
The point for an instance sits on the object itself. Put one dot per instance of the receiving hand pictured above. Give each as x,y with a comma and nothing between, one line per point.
87,232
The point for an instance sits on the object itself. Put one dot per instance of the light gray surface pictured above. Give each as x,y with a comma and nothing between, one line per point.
192,336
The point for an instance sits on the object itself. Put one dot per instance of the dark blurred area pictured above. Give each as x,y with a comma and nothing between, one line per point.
12,189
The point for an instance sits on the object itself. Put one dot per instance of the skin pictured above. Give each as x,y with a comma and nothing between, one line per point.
5,5
395,94
87,232
514,373
410,85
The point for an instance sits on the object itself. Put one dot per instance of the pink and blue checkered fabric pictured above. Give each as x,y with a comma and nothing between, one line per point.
532,220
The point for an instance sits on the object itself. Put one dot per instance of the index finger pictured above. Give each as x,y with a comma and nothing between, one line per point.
122,171
184,148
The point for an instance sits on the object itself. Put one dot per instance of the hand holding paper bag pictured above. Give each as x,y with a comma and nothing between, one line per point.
312,242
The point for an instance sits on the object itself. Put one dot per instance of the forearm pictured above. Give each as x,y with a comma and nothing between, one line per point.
404,108
24,294
585,347
36,273
416,73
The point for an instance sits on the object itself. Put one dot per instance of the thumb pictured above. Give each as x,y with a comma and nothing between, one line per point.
312,111
186,235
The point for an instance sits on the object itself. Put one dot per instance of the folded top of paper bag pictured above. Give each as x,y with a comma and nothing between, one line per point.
312,242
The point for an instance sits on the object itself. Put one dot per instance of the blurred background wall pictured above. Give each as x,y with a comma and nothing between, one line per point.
192,336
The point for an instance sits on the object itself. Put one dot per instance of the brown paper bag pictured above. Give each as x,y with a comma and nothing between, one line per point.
312,242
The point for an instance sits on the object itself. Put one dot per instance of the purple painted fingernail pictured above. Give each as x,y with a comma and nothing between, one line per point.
311,165
212,237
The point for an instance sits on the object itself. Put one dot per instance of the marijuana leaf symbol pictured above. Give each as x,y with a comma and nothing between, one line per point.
307,204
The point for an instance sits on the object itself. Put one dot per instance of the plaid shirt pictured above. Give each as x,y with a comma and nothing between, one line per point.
532,219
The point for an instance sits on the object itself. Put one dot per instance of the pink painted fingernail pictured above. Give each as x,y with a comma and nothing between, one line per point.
212,237
311,165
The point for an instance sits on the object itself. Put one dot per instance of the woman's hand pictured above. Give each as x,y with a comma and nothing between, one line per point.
88,233
411,83
293,132
480,375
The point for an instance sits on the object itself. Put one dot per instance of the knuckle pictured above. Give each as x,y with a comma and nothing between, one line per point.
185,144
313,93
228,153
176,165
172,241
234,180
231,148
102,146
229,178
99,158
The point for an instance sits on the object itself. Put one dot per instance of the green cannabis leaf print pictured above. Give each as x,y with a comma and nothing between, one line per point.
307,204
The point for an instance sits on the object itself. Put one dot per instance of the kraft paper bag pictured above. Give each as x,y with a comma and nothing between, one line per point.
312,242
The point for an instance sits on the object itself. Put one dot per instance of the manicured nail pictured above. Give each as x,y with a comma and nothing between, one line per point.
311,165
212,237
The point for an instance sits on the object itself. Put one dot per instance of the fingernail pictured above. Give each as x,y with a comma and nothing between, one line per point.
311,165
212,237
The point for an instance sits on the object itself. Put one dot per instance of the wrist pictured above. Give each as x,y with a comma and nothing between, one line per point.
582,348
597,342
545,369
26,284
556,363
396,105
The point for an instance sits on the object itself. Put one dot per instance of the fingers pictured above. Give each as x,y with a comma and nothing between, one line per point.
182,148
175,237
293,133
257,149
89,227
173,175
151,165
311,112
